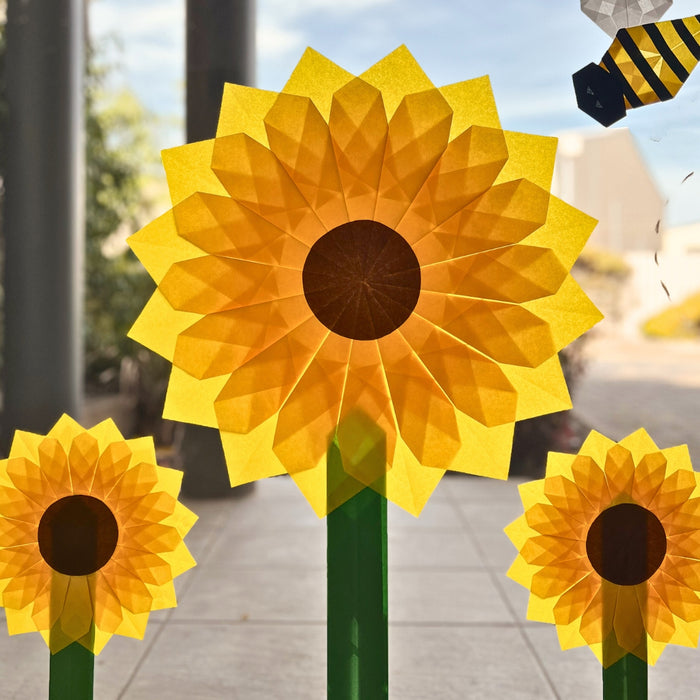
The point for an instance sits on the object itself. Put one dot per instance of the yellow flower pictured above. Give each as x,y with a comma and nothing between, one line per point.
363,251
91,534
609,548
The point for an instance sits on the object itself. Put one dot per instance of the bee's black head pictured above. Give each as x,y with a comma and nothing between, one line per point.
599,95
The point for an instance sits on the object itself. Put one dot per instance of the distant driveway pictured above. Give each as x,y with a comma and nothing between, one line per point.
634,383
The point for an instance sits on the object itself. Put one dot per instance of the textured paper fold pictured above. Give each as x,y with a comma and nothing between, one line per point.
368,246
644,592
91,534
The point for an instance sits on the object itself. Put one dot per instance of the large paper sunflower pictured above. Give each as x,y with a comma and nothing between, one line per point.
91,534
609,546
363,251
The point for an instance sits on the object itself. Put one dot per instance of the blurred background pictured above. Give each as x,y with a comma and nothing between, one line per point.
638,178
92,91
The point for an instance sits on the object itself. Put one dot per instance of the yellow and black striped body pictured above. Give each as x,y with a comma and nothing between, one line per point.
644,64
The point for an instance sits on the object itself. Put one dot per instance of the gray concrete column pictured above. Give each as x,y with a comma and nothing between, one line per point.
44,213
220,49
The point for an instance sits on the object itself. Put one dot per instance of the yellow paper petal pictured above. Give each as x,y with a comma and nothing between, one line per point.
619,605
569,313
99,542
248,456
158,246
159,325
303,145
467,168
475,385
506,333
368,262
397,75
242,111
541,390
188,170
313,407
318,78
408,483
191,400
358,128
565,231
530,157
416,139
471,102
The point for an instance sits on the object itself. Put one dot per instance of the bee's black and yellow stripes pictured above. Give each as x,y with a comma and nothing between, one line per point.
644,64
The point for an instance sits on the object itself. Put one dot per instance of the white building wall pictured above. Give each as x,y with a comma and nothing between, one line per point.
602,173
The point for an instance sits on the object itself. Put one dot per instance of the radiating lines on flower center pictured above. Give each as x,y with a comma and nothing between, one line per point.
362,280
77,535
626,544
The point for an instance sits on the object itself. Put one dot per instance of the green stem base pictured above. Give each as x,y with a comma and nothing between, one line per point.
72,673
626,679
358,648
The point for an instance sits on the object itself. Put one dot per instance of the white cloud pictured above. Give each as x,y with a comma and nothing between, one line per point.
164,19
516,106
290,11
280,28
274,40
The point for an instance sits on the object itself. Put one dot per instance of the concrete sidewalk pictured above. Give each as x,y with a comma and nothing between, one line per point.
635,382
251,618
250,621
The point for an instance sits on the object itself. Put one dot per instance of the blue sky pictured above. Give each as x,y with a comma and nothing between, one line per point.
529,48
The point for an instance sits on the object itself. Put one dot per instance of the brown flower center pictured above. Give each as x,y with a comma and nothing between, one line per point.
77,535
626,544
361,280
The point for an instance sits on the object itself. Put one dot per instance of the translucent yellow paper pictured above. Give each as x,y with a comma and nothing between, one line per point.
469,206
122,475
554,562
646,63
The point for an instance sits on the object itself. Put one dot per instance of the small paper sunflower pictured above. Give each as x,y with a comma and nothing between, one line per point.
91,534
609,546
363,251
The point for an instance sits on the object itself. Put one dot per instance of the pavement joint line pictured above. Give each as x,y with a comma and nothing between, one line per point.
263,567
142,658
412,529
496,582
257,568
438,569
322,623
248,621
210,542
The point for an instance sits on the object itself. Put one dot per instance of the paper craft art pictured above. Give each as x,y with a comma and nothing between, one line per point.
91,534
372,256
643,65
609,546
611,15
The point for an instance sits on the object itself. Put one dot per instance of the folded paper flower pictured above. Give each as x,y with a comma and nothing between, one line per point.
369,256
91,534
609,546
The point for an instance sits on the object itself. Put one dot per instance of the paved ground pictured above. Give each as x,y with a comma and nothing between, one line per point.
631,383
250,624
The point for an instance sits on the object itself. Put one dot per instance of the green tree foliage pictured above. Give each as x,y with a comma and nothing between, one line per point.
118,151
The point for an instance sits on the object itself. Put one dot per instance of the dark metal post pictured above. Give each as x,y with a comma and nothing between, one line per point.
44,219
220,49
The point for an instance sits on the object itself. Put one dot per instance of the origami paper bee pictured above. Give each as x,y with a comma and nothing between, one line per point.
644,64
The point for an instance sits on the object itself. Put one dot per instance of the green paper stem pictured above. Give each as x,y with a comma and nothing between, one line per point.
358,647
626,679
72,673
